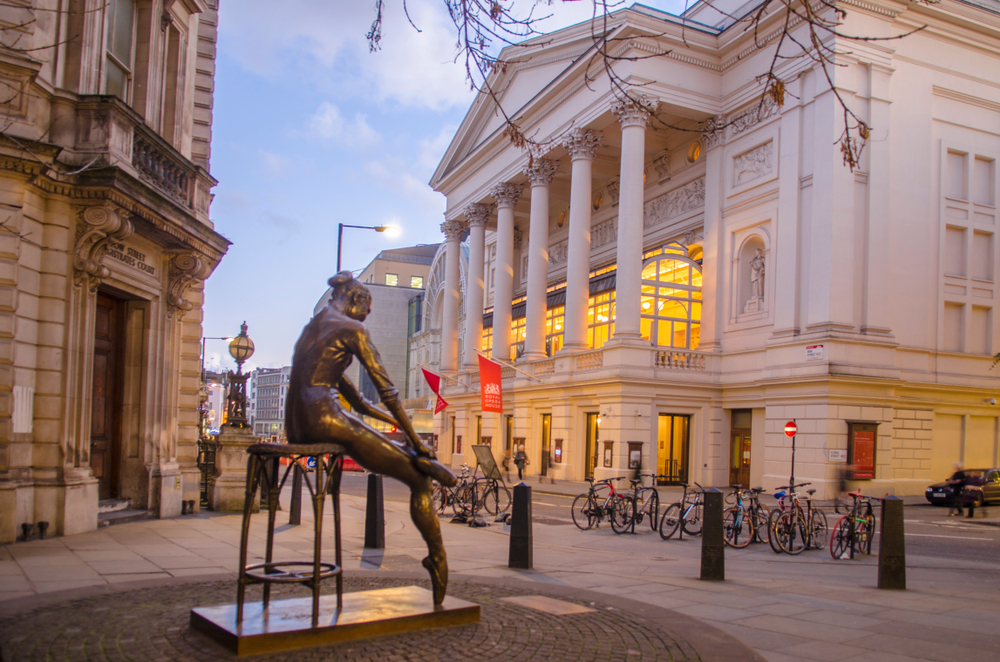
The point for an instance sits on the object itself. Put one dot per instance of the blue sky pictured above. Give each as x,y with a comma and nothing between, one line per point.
311,130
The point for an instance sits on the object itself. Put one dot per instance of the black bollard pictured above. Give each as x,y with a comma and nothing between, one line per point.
42,528
520,529
374,514
295,509
184,507
26,530
191,507
892,546
713,542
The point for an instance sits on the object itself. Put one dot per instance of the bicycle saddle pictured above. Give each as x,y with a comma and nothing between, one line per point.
811,492
779,495
758,490
736,486
590,480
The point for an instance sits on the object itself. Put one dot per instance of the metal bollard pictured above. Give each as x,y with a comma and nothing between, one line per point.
374,514
520,555
295,509
892,546
42,528
713,543
26,530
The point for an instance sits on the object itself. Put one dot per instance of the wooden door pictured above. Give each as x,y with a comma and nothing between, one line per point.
546,442
739,465
106,395
593,437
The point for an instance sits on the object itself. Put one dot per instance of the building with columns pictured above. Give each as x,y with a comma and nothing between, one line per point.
678,271
105,243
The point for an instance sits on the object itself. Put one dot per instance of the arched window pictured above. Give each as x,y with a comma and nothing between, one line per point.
671,298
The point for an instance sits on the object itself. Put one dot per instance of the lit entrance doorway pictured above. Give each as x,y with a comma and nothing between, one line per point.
593,436
106,395
672,449
739,454
546,442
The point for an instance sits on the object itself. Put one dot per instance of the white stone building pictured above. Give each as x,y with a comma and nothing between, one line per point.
268,387
675,297
105,132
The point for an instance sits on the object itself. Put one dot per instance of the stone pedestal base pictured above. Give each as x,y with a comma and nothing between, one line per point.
754,306
227,489
287,624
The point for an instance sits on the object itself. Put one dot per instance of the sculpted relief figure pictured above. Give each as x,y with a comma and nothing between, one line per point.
328,344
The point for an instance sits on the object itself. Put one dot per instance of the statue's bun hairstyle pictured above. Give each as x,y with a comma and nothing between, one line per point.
344,284
341,279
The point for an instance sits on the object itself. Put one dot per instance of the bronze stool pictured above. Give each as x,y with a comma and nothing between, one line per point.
263,464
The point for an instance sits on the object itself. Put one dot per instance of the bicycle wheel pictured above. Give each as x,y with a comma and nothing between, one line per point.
818,532
670,520
653,508
841,537
463,499
622,515
870,523
503,499
440,498
773,521
794,536
761,517
486,496
694,518
736,529
866,533
583,511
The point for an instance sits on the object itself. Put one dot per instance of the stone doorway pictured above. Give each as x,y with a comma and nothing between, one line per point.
546,443
106,394
739,448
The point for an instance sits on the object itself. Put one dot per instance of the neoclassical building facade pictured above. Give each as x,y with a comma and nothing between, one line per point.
105,243
669,295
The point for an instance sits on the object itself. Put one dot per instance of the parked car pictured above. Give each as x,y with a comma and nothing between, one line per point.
942,494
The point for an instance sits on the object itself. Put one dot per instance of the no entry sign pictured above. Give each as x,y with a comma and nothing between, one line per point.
791,429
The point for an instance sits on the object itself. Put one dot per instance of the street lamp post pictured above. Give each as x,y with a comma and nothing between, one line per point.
241,348
340,234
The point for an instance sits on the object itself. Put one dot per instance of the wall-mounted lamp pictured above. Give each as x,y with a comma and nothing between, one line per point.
991,401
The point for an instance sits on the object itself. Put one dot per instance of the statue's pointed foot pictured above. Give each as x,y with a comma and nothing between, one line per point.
439,576
436,470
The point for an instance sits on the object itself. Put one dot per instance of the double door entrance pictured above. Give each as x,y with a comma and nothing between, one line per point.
107,395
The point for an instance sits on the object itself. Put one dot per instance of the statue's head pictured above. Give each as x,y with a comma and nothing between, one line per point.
350,296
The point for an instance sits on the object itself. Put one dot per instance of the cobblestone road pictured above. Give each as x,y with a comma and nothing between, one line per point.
152,624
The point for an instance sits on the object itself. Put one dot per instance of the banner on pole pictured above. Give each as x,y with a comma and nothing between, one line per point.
434,381
489,385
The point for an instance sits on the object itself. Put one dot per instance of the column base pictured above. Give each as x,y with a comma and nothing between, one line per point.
532,356
573,348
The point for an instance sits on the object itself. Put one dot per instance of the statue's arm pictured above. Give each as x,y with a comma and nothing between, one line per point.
359,403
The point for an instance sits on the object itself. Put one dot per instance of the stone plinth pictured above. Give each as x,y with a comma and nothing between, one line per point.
227,488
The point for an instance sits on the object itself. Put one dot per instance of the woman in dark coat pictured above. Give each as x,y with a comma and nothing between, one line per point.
314,414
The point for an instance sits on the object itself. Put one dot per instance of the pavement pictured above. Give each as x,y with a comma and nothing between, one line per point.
123,592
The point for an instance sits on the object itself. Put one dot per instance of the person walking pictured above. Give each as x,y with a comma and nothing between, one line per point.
957,482
520,459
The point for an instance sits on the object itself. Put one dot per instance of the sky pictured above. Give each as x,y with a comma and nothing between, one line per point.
310,129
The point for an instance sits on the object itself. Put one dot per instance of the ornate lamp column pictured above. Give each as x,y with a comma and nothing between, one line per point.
633,115
506,196
582,145
477,215
540,175
449,323
240,348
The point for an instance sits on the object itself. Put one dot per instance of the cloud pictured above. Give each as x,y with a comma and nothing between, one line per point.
275,164
392,173
287,226
432,151
329,124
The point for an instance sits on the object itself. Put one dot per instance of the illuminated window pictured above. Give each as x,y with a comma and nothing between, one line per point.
517,338
671,299
416,282
487,340
600,319
554,322
392,279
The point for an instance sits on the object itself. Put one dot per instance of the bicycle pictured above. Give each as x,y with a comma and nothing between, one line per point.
686,514
589,509
747,520
491,496
797,529
461,497
632,508
854,532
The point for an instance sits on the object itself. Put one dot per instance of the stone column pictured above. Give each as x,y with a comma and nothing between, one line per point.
506,196
540,174
714,265
581,145
477,215
633,115
877,313
449,323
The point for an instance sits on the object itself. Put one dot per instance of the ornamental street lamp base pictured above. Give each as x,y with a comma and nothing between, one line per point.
287,624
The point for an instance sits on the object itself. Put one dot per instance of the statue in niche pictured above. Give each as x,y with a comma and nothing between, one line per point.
756,300
314,415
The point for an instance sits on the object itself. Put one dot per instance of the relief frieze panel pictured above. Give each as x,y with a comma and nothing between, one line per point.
754,164
679,201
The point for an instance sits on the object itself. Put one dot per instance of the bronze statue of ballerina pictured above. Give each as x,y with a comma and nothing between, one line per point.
314,414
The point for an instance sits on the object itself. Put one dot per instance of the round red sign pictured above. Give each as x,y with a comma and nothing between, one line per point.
791,429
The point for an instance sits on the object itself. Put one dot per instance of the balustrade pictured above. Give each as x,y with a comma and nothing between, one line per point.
678,360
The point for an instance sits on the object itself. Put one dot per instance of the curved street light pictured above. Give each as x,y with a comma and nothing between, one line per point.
388,229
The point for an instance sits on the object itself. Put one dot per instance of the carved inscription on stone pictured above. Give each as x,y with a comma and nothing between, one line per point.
131,257
754,164
674,203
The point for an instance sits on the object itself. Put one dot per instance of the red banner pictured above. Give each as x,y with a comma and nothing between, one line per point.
434,381
489,385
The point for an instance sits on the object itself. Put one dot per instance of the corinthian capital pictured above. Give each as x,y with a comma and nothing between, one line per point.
477,214
582,143
506,194
634,111
541,172
453,229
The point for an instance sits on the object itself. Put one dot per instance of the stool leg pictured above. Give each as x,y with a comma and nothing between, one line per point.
272,507
251,489
318,498
338,469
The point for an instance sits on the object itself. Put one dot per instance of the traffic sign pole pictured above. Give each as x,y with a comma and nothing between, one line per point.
790,431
